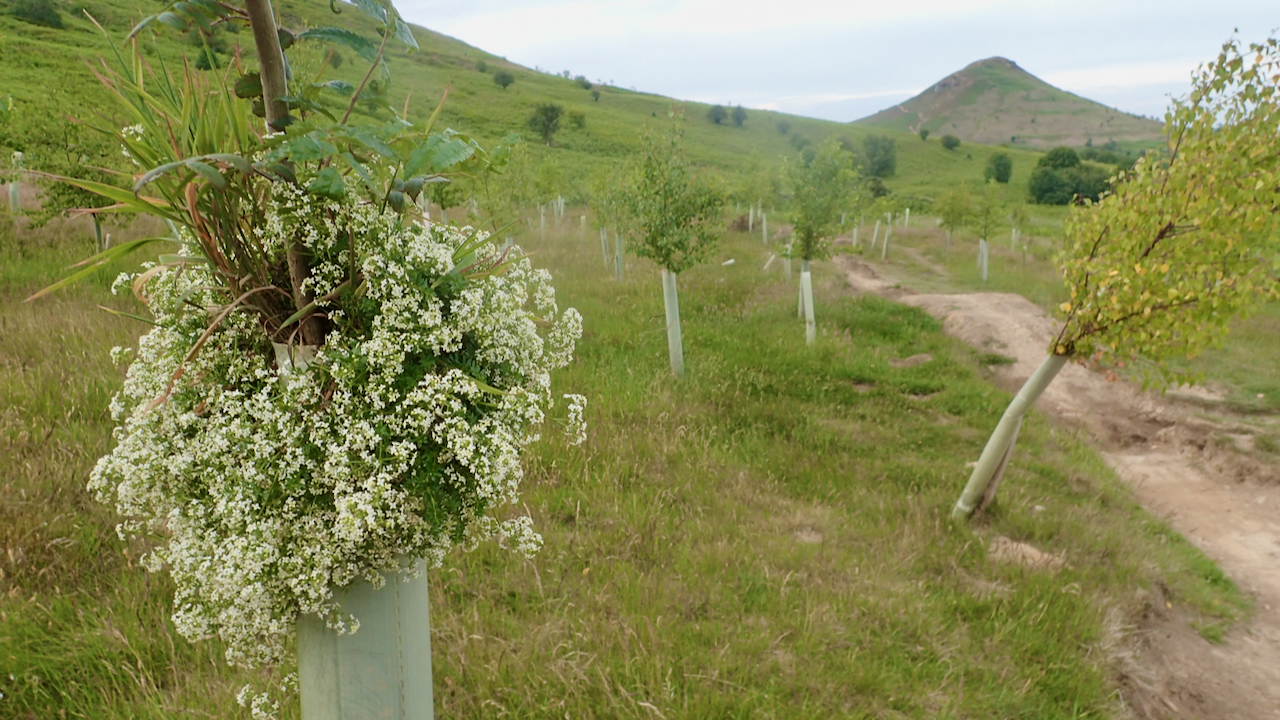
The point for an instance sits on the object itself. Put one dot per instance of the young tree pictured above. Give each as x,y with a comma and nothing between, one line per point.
823,189
984,220
739,116
953,208
950,142
717,114
1185,243
924,133
503,79
676,216
545,120
999,168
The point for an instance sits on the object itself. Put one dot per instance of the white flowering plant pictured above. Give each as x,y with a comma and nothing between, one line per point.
333,384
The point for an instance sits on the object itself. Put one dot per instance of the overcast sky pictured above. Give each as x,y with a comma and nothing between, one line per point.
845,59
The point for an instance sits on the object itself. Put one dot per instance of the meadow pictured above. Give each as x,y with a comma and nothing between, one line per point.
767,538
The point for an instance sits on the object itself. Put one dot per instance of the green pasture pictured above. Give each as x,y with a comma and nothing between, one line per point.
767,538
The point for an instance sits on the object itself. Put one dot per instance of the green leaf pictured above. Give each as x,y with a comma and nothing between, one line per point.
328,183
438,153
307,148
404,34
373,9
395,199
361,46
342,87
249,85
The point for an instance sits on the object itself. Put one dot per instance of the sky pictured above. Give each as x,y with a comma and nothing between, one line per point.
846,59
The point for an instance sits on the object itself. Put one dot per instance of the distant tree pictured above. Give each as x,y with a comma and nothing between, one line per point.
717,114
924,133
37,12
784,127
583,82
578,120
999,168
799,142
207,59
881,156
739,116
953,208
950,142
1060,178
482,66
1059,158
545,120
503,79
595,95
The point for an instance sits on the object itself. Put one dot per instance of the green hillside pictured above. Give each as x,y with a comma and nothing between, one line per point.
995,101
46,72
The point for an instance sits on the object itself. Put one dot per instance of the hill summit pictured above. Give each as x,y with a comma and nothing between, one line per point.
996,102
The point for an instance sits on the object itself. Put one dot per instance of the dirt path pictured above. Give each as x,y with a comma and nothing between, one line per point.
1227,503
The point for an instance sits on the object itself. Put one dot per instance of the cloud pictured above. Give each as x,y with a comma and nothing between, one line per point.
1164,72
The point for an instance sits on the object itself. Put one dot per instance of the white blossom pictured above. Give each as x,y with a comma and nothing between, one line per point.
403,436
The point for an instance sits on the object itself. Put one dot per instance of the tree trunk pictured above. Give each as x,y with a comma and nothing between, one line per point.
675,348
1000,446
266,39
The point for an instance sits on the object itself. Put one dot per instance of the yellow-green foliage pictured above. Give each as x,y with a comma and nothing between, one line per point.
1188,240
675,213
823,188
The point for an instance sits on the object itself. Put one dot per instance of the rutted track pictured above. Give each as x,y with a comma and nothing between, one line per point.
1227,504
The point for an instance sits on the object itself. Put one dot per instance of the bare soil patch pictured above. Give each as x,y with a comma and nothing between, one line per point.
1192,469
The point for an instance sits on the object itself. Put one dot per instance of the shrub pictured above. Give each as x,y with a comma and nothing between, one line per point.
881,156
717,114
583,82
578,120
950,142
924,133
207,59
482,66
999,168
1059,158
503,79
739,116
595,95
37,12
1060,186
784,127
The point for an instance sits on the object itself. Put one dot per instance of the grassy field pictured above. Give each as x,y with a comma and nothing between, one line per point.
768,538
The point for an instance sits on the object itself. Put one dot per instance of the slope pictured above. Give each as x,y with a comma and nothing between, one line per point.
45,73
995,101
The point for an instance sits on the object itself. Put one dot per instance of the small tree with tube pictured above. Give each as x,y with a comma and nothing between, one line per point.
676,217
823,189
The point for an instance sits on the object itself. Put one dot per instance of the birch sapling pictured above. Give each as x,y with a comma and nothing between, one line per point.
1184,243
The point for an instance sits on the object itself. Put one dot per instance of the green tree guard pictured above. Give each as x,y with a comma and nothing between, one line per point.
381,671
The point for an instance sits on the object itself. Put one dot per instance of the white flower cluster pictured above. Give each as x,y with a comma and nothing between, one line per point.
401,437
